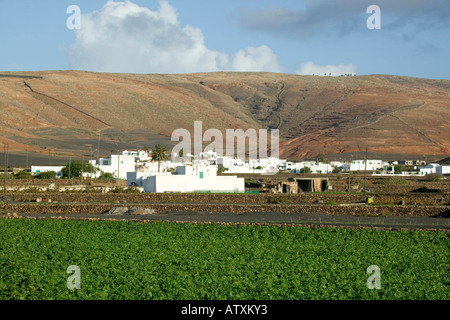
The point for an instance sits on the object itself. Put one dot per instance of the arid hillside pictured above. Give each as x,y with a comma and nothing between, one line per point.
63,112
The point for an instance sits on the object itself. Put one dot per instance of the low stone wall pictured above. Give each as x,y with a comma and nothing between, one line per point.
359,210
306,198
36,183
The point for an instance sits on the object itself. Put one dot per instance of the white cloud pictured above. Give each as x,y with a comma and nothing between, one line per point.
249,59
309,68
125,37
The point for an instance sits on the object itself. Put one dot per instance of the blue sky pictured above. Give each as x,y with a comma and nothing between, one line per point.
176,36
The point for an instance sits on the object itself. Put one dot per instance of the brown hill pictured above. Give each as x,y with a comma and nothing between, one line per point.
60,112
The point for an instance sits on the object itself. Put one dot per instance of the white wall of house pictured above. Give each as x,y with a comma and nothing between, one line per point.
443,169
138,177
428,169
316,167
360,165
111,165
193,178
322,168
296,166
139,154
152,166
336,164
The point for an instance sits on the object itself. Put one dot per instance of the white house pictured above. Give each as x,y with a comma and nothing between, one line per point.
270,164
296,166
428,169
360,165
152,166
192,178
316,167
117,164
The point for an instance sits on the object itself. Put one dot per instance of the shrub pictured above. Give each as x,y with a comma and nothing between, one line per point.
276,200
9,176
337,170
398,169
47,175
125,190
433,177
305,170
77,168
23,175
106,176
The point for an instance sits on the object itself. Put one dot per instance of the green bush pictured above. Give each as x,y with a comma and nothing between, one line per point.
47,175
106,176
398,169
305,170
9,176
23,175
77,168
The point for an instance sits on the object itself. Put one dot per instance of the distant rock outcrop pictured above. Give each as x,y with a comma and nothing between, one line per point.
130,211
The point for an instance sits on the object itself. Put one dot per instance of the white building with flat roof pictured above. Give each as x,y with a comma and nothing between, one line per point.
193,178
428,169
360,165
443,169
316,167
117,164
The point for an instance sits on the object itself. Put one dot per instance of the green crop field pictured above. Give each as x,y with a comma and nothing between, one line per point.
130,260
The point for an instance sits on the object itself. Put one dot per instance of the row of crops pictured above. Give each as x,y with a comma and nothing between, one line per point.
130,260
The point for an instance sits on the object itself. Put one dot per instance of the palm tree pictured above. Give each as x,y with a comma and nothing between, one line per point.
159,154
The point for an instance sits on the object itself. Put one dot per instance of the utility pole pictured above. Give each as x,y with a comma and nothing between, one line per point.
81,169
90,168
365,170
349,182
5,148
98,145
118,164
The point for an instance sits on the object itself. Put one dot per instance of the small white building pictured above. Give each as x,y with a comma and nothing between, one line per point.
360,165
428,169
117,164
316,167
193,178
235,165
443,169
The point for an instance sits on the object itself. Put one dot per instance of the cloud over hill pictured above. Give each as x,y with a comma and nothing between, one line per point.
125,37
